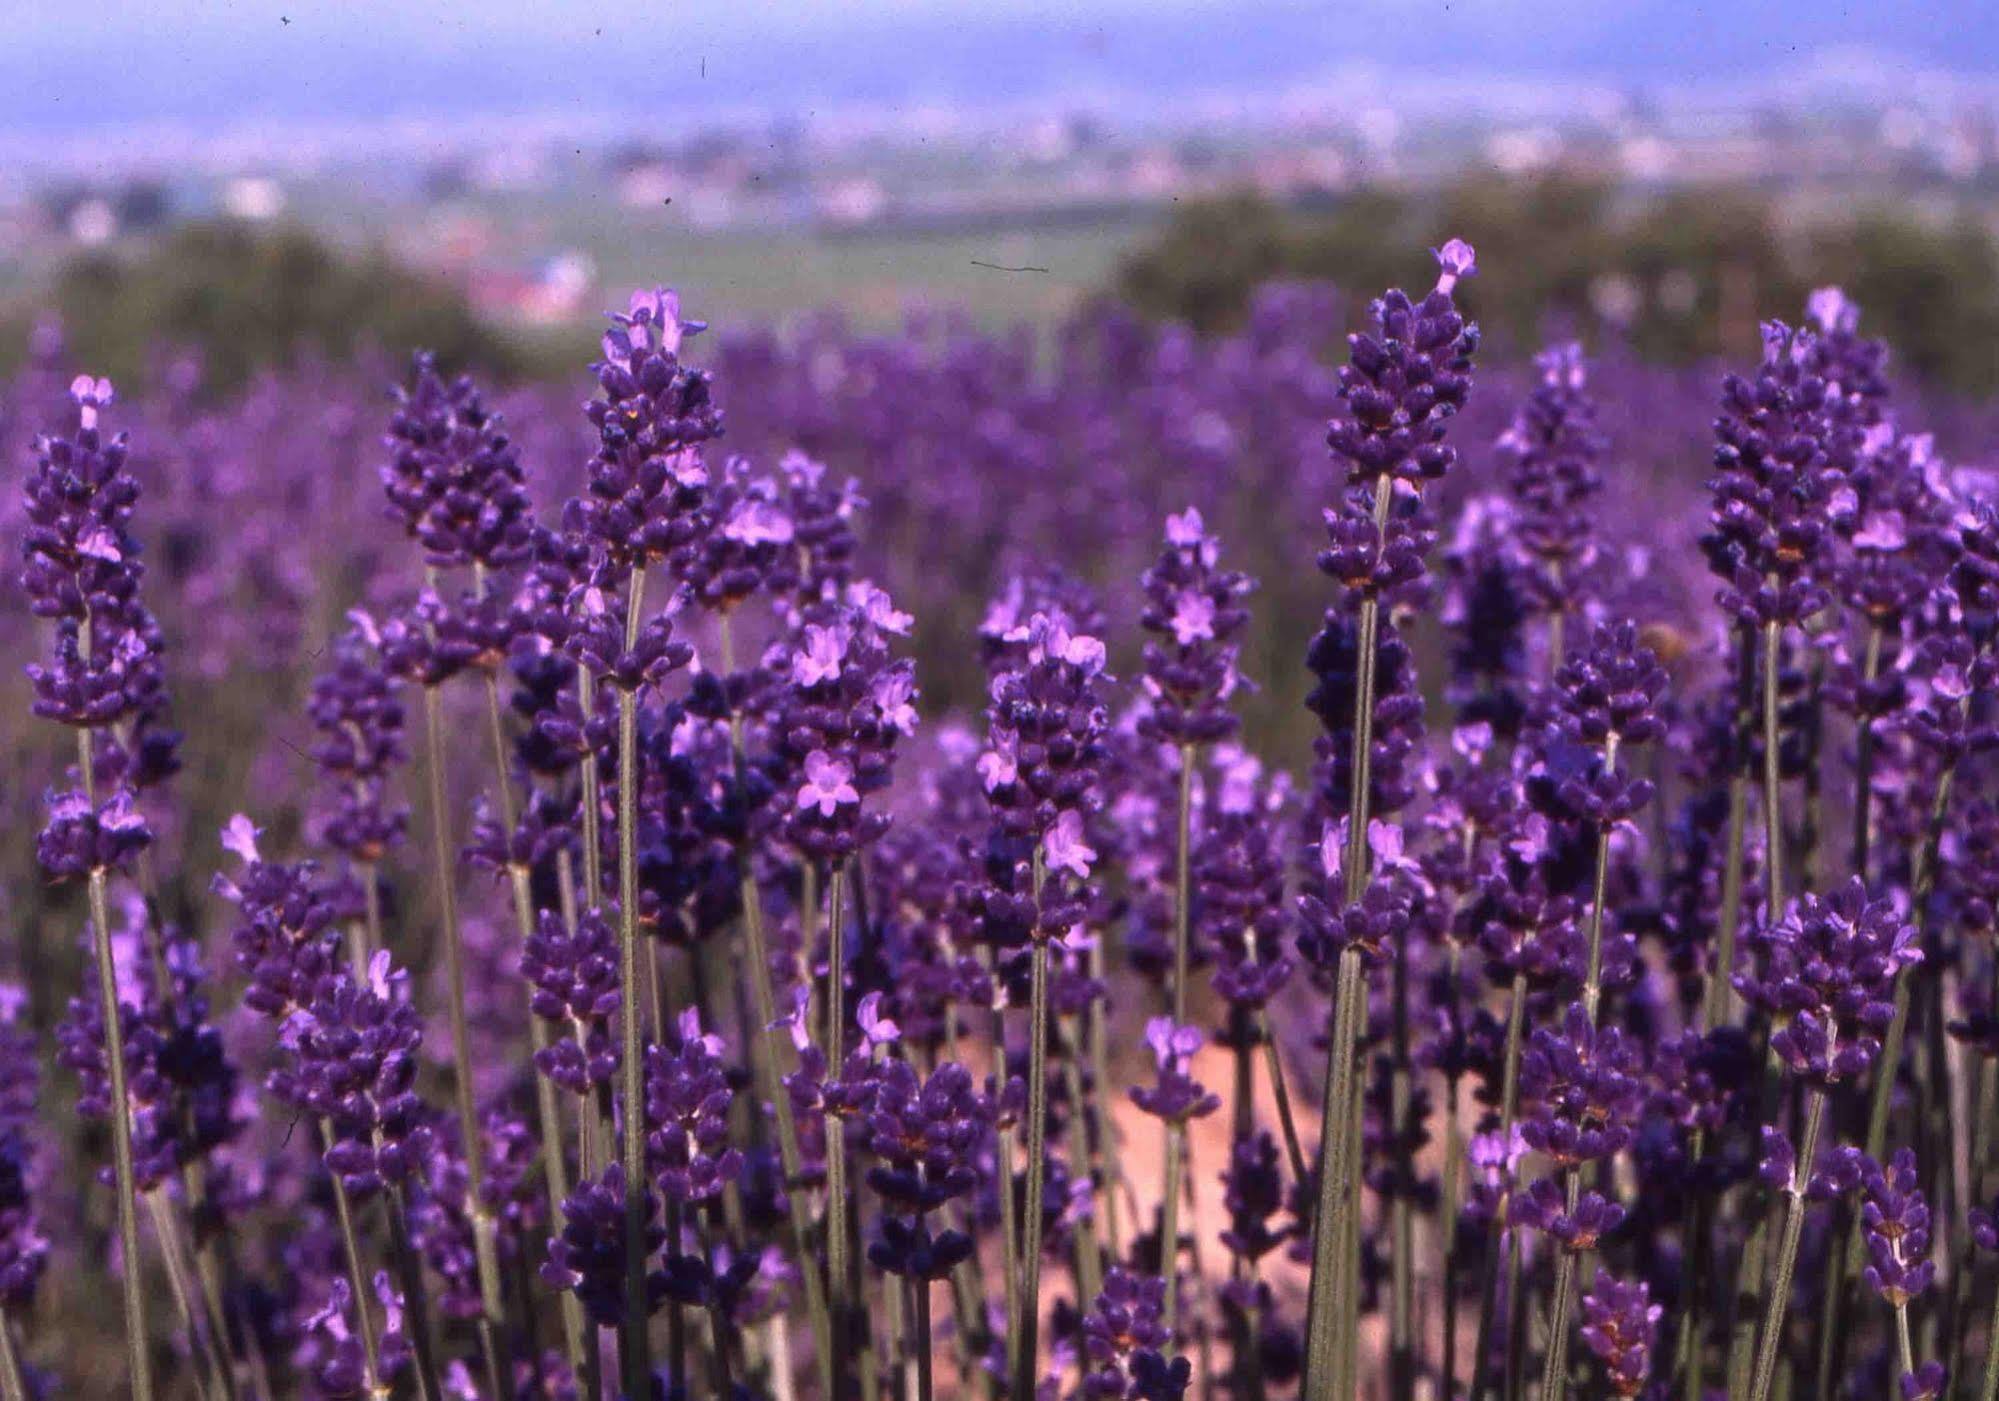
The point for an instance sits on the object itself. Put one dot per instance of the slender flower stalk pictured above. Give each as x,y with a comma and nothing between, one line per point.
82,572
1399,389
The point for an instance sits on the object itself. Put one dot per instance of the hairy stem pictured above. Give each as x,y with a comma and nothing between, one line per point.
1025,1354
1787,1251
137,1357
836,1128
631,1078
1509,1098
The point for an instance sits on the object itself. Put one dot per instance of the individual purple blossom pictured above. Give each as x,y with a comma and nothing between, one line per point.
1177,1096
574,977
847,707
1826,972
1238,868
1984,1224
287,939
81,838
1609,693
338,1357
752,539
1620,1326
1544,1207
1253,1192
926,1135
1048,727
1553,449
1923,1384
24,1250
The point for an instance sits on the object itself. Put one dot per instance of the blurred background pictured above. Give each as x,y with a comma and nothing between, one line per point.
250,177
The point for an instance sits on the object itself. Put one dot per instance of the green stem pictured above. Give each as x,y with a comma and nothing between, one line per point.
1988,1390
1009,1214
1718,1005
771,1067
1287,1121
1322,1346
1026,1353
200,1339
461,1049
1176,1133
1509,1099
12,1388
1169,1223
920,1336
1555,1368
549,1114
410,1270
1773,813
1402,1239
137,1357
357,1274
1863,758
836,1128
631,1078
1787,1253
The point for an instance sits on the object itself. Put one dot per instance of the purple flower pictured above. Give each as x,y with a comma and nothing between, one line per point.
588,1257
453,475
925,1134
353,1063
828,784
1126,1343
80,839
1405,379
687,1098
1827,972
1620,1326
1896,1221
1579,1091
1544,1207
1194,611
1176,1097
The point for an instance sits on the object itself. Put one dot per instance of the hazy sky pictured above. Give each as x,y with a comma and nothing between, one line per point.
70,68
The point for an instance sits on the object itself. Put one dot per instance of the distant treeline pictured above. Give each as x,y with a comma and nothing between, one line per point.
247,299
1679,277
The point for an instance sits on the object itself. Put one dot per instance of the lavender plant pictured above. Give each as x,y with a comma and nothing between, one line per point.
790,1038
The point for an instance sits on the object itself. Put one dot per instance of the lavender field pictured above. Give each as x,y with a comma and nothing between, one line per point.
830,863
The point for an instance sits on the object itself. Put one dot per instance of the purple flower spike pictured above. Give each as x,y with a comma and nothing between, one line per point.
589,1256
1620,1325
1194,611
1896,1220
1126,1344
687,1111
454,477
1828,969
